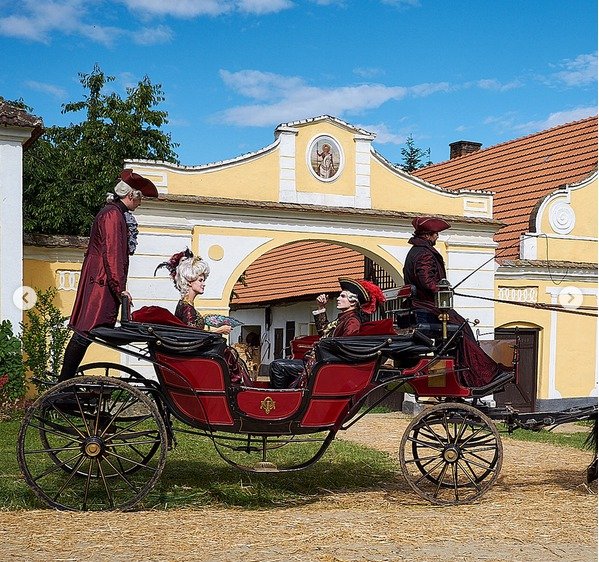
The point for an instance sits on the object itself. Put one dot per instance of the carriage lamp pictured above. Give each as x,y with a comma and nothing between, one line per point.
444,302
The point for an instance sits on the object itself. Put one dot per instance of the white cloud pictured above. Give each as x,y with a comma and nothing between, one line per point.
558,118
496,85
384,135
55,91
259,7
197,8
148,36
369,72
578,72
289,98
402,3
286,98
180,8
36,19
328,2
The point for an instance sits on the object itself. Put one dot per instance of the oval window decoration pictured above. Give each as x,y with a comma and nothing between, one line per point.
325,158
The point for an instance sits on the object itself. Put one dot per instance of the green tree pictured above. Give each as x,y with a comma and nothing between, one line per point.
414,157
69,170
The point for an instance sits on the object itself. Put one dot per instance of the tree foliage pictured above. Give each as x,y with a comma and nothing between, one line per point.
44,336
12,370
414,157
69,170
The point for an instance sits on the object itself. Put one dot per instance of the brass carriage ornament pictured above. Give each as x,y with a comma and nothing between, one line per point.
268,405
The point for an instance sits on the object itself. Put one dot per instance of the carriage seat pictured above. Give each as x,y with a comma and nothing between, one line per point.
424,321
352,349
159,327
156,315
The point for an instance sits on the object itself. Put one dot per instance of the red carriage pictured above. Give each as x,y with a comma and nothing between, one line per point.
100,442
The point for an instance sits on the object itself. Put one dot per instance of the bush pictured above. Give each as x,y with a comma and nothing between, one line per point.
44,338
12,370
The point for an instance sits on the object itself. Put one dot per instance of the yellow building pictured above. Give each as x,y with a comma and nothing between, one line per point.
320,181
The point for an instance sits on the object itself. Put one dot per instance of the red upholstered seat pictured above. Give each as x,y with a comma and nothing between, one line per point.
156,315
377,328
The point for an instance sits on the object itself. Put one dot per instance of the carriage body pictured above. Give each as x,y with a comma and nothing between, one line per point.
207,387
100,442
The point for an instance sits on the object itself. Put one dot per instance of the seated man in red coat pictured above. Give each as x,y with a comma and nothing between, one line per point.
356,300
103,279
424,268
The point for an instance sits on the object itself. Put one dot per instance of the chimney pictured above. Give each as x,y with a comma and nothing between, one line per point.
461,148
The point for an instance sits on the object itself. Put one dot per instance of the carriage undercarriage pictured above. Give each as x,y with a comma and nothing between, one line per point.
100,441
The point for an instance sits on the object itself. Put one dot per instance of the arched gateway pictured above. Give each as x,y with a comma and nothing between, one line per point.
234,211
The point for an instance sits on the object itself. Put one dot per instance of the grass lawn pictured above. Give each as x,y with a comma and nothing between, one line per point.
195,476
575,438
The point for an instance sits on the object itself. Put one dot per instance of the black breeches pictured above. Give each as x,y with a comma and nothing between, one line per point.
284,372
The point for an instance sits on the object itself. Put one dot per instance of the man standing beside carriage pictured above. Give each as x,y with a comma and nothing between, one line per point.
424,268
103,280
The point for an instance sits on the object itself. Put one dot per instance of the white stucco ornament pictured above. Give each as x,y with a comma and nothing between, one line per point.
562,218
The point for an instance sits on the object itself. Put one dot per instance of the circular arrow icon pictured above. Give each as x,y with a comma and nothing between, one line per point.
24,297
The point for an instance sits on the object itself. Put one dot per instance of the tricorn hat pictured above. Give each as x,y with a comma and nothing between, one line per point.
135,181
369,295
429,224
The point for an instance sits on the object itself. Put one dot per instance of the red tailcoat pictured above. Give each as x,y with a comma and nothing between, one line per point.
424,268
347,324
104,271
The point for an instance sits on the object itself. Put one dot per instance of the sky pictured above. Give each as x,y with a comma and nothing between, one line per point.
231,71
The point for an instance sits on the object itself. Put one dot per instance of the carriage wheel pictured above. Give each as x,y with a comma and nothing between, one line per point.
451,454
125,374
92,443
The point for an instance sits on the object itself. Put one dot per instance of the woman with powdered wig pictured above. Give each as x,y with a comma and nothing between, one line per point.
189,274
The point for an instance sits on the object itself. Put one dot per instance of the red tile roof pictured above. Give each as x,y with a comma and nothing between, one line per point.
301,269
11,116
521,172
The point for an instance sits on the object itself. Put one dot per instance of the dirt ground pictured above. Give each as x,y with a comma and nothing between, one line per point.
538,510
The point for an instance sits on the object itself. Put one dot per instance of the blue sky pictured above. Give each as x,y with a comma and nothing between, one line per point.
232,70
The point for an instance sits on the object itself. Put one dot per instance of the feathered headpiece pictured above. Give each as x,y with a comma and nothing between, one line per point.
376,296
369,295
172,263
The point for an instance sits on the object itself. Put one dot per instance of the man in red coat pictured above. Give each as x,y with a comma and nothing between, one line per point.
103,278
424,268
356,300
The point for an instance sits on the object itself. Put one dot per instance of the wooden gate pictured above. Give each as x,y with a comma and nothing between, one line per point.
522,396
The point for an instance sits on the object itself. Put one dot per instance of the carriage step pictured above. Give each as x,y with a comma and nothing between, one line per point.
498,382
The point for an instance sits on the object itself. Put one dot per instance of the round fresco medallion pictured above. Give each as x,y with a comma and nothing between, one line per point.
325,158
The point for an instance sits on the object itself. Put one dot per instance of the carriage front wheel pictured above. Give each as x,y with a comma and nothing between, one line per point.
451,454
92,443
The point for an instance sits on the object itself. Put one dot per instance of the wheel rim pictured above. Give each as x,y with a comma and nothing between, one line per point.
92,443
451,454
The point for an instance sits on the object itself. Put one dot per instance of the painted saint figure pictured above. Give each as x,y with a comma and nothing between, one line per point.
326,166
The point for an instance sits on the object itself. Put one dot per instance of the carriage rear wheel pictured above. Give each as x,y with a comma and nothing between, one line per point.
92,443
130,376
451,454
